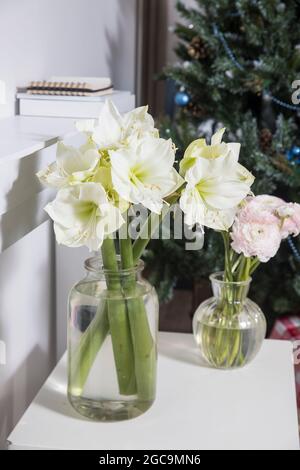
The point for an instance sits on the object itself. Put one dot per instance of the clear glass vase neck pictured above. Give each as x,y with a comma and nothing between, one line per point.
95,269
231,292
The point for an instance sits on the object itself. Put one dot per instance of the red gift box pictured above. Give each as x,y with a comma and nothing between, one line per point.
288,328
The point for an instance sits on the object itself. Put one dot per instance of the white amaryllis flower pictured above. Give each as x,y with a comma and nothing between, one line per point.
217,149
143,173
216,184
138,123
83,216
114,130
73,165
103,176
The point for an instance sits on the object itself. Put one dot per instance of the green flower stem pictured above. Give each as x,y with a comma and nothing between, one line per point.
228,267
145,235
235,267
86,352
223,344
94,336
118,322
255,264
151,225
145,354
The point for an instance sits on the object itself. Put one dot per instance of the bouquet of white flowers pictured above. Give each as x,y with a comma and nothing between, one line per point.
122,163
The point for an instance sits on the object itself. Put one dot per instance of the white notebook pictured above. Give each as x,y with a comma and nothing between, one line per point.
72,106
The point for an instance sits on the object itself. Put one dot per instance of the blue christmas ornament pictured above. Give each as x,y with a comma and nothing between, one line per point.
293,155
296,151
182,98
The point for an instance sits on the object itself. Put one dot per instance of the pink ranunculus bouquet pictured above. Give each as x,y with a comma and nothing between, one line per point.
229,328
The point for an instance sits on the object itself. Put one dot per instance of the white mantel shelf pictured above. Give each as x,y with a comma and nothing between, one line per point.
196,407
21,136
27,145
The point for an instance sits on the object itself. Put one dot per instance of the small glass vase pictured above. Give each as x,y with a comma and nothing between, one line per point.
112,338
229,328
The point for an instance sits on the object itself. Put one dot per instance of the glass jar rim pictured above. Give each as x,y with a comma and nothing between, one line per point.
218,278
94,264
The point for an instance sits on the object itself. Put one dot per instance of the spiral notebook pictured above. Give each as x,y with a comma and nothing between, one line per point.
71,86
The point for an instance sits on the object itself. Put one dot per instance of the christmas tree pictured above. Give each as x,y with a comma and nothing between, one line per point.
238,62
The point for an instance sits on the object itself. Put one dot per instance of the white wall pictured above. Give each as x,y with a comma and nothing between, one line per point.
40,38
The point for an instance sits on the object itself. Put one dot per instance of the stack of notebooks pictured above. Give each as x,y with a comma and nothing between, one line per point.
71,86
73,97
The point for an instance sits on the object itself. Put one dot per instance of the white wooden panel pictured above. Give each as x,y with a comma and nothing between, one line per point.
27,322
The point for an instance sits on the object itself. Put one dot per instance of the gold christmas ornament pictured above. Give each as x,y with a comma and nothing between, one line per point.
197,49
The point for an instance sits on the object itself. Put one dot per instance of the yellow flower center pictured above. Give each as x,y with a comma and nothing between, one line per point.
138,175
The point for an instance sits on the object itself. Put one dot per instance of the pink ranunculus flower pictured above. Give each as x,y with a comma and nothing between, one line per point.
289,213
256,229
270,203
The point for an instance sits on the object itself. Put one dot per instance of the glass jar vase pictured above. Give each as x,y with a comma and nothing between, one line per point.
229,328
112,338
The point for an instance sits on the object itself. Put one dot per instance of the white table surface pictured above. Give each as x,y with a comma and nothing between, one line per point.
196,407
